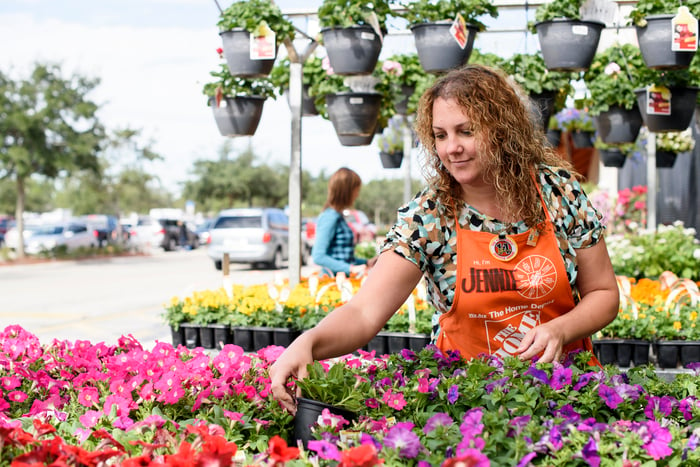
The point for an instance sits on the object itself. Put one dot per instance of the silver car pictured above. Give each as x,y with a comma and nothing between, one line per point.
70,235
252,235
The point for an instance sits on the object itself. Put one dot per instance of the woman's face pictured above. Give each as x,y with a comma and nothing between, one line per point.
456,143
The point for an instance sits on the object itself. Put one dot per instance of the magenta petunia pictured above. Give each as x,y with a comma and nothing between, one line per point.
88,396
589,453
17,396
561,378
395,400
610,396
437,420
453,394
657,440
325,449
403,439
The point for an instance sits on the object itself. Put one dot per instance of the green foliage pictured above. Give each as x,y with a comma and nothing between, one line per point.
612,78
347,13
399,71
365,250
569,9
228,85
248,14
643,8
430,11
531,73
338,386
312,68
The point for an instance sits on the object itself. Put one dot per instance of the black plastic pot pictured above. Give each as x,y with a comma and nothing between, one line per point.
682,109
667,354
206,337
606,351
354,113
568,45
544,106
438,51
582,139
618,125
352,51
612,157
554,137
665,159
379,344
262,337
689,352
283,337
238,116
191,332
355,140
641,352
391,160
236,45
178,336
243,337
308,411
655,44
222,335
401,103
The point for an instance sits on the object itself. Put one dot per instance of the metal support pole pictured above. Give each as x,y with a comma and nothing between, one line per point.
651,181
295,96
407,149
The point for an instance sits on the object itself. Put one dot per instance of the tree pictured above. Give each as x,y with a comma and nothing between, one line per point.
49,127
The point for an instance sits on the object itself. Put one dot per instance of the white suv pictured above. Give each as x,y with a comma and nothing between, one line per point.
252,235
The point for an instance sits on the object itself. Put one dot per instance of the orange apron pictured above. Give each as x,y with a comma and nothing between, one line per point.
506,285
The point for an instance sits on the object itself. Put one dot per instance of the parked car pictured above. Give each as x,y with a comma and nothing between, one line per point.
358,221
70,235
308,235
250,235
143,232
12,234
202,230
102,226
175,233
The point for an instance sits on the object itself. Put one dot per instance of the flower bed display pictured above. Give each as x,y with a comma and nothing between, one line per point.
278,306
78,403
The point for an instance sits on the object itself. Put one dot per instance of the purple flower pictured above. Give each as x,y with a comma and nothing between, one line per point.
568,412
525,461
610,396
471,423
408,354
499,383
325,450
662,405
628,391
656,440
583,380
590,453
437,420
561,378
453,394
518,424
401,438
537,374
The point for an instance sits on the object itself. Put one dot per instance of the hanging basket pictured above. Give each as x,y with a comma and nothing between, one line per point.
682,109
308,105
238,116
437,50
582,139
554,137
618,124
665,159
236,45
354,113
543,105
655,44
568,45
391,160
355,140
612,157
352,51
401,103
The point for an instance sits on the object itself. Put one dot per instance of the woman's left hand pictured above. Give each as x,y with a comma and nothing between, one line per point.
545,340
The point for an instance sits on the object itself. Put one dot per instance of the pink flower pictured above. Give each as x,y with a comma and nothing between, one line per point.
326,65
395,400
17,396
90,418
656,440
88,396
392,67
612,69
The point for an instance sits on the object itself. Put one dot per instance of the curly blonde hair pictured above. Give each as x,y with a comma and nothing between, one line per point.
511,143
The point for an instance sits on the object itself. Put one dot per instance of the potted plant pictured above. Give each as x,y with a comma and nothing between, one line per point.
404,80
261,19
613,154
430,22
312,72
351,104
579,124
568,42
390,144
671,143
668,100
655,35
548,90
237,102
352,33
611,81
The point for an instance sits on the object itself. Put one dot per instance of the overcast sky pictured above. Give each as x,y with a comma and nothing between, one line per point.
152,57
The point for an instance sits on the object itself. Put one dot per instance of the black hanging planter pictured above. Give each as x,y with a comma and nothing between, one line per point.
554,137
682,109
352,51
582,139
655,44
568,45
618,124
308,411
612,157
401,103
391,160
438,51
544,107
308,105
238,116
355,140
236,45
354,113
665,159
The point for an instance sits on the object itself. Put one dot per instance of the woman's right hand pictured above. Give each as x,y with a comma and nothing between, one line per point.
290,365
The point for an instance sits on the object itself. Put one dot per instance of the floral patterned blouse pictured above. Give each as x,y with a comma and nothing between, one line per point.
424,235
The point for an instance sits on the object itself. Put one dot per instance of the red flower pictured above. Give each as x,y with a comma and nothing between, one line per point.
361,456
279,452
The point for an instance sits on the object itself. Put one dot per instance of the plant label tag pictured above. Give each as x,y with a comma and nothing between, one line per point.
685,31
458,30
579,30
658,100
374,22
262,43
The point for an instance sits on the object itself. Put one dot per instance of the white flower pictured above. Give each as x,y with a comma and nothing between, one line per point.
612,69
696,253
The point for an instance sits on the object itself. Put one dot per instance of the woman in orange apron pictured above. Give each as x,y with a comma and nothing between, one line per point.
509,245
